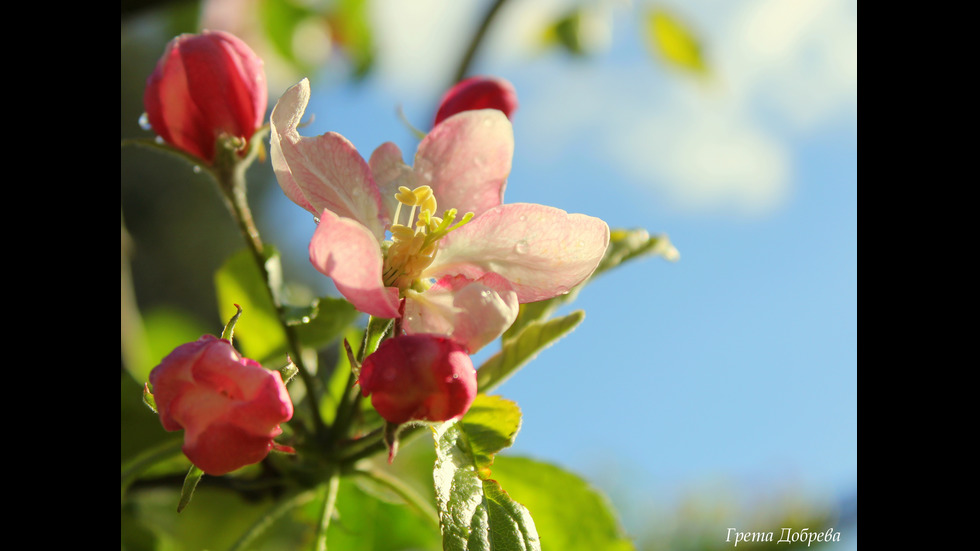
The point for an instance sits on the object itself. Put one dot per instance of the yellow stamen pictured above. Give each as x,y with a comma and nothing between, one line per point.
411,251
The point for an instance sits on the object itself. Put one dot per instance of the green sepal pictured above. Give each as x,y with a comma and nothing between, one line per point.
194,475
288,371
148,398
392,430
229,331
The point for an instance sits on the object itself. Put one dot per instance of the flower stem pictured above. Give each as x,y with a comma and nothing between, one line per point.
423,507
464,64
350,400
133,468
329,502
296,500
229,171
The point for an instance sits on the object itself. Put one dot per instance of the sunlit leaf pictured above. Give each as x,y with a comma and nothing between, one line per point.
258,334
569,514
474,511
323,321
351,27
580,32
366,523
624,245
674,41
491,425
522,348
280,19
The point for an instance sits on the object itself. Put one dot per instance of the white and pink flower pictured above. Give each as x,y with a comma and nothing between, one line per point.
382,242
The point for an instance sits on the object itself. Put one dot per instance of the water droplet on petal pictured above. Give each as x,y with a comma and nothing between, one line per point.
521,247
455,375
144,122
197,169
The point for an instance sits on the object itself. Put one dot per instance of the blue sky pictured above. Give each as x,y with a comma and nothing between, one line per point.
738,363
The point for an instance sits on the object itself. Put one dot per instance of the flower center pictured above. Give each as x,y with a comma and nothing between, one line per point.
414,244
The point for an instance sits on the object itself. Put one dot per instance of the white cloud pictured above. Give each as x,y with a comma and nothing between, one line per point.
781,69
800,57
703,155
419,43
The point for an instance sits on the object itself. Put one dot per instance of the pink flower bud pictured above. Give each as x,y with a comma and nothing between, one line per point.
419,377
206,85
229,407
478,93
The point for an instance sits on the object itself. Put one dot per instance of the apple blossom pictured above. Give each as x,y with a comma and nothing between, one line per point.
229,407
206,85
381,241
419,377
478,93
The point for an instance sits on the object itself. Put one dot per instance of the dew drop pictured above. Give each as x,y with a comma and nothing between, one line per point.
144,122
455,375
197,169
158,139
521,247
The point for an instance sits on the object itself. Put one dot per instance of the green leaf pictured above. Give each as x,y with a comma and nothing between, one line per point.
625,245
280,19
366,523
674,41
492,424
569,514
580,32
474,511
322,322
520,349
162,330
259,334
351,27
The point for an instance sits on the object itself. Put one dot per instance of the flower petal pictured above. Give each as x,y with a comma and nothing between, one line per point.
327,170
473,313
390,172
286,114
466,159
542,251
347,252
222,448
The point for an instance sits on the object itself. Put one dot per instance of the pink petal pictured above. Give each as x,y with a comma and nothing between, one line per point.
466,160
222,448
327,170
542,251
390,172
473,313
286,114
174,376
347,252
